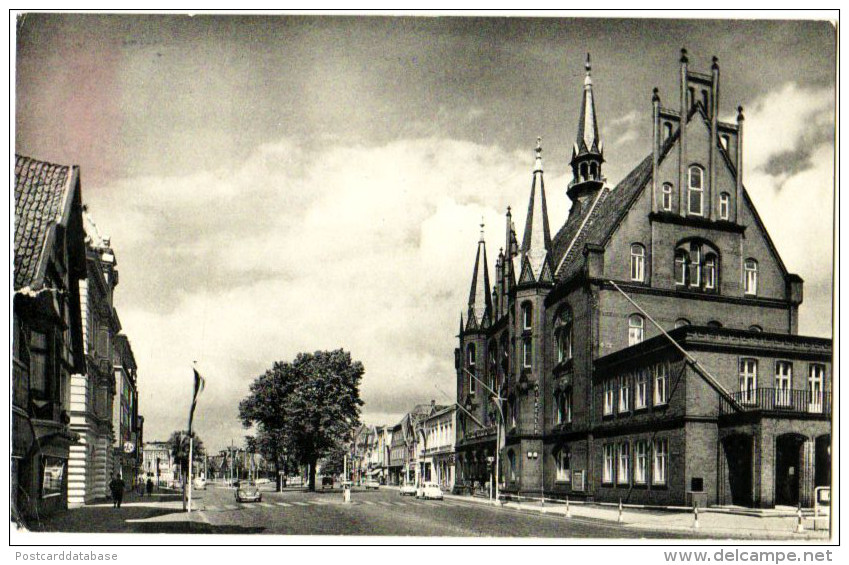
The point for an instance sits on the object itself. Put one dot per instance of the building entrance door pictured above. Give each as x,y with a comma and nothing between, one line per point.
738,457
788,455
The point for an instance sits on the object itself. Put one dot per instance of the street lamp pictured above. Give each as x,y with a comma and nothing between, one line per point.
498,430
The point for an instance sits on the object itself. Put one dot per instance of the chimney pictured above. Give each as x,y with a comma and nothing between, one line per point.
682,150
655,105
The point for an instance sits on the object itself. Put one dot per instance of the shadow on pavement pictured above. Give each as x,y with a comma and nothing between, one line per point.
132,520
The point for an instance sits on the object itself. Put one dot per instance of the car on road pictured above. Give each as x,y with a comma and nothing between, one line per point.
429,491
327,482
407,490
199,483
248,492
373,484
263,481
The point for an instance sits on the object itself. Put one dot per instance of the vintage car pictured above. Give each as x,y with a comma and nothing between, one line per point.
248,492
199,483
429,491
372,484
407,490
327,481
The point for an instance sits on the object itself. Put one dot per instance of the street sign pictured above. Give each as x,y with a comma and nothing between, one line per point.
129,447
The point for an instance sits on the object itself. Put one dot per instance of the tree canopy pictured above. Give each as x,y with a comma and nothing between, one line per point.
179,446
306,408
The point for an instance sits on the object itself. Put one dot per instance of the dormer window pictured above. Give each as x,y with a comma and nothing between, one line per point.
667,196
696,191
724,204
638,262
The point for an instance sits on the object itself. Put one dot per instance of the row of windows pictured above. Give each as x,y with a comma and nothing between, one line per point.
617,392
783,382
695,195
696,266
618,463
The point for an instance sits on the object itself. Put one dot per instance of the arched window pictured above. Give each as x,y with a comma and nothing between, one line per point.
505,356
593,171
750,281
681,271
756,329
635,329
584,174
697,265
724,205
696,190
527,316
511,459
563,335
638,262
492,365
666,196
471,354
710,271
681,322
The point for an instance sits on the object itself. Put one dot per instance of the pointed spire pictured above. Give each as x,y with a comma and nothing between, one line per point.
480,299
537,239
588,140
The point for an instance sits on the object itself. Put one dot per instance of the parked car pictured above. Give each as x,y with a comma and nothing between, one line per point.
429,491
407,490
199,483
372,483
248,492
263,481
326,481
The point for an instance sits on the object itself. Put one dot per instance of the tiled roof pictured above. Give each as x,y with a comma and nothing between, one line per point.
42,192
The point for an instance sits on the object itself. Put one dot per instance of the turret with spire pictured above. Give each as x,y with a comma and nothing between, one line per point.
588,150
480,299
536,243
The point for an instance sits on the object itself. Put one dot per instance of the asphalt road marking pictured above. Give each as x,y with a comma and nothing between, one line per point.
284,504
266,504
300,504
384,503
211,508
369,502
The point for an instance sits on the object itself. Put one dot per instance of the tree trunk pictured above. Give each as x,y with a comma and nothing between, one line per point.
278,479
312,462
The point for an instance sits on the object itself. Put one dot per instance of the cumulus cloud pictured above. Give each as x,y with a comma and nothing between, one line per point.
789,172
624,129
308,246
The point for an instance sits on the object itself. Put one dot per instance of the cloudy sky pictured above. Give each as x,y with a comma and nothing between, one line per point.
279,184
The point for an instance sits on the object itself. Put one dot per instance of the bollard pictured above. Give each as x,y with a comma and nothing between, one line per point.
568,514
346,494
620,511
696,516
800,527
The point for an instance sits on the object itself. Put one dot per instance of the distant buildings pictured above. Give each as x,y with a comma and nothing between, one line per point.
65,340
647,349
158,464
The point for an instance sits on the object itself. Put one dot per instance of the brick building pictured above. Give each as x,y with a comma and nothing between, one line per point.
47,343
677,243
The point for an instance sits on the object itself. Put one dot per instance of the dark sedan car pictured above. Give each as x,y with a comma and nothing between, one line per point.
248,492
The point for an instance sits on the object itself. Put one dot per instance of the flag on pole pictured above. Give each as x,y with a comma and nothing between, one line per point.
199,384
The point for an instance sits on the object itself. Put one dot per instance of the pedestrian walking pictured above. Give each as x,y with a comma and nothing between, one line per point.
149,487
116,486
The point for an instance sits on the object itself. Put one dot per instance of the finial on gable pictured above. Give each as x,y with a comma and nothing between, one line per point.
684,58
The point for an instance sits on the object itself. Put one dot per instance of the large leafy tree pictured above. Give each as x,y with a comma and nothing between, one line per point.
305,409
179,445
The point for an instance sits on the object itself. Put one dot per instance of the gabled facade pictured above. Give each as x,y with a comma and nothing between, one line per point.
126,422
47,343
677,242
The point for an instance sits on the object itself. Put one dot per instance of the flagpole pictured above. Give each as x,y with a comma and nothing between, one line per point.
189,478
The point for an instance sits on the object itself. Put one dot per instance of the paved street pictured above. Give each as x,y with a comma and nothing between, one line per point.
371,513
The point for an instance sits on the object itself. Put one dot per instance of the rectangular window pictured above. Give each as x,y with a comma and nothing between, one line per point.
783,380
661,384
527,353
609,469
623,477
624,395
38,371
748,380
641,396
816,378
608,397
641,462
680,268
661,457
696,191
723,205
750,280
667,197
695,267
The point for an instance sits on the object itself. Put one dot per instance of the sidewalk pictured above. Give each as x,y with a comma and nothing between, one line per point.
714,522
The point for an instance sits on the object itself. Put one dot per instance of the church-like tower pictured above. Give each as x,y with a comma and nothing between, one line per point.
587,151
